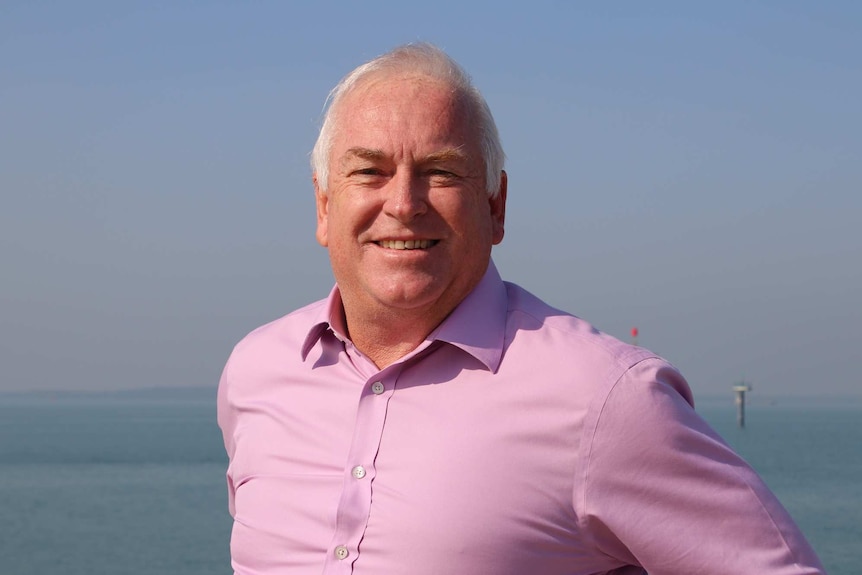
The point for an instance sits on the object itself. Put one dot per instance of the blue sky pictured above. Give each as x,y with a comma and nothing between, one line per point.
693,170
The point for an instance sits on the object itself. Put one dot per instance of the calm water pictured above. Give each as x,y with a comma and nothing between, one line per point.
121,486
112,487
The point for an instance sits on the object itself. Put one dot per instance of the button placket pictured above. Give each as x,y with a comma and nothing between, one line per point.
354,505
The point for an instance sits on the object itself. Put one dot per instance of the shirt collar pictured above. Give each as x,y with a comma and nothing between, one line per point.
477,325
329,316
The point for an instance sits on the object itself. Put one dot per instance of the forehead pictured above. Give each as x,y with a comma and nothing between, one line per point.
403,113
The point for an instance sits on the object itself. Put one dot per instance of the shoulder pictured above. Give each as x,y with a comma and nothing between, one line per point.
282,336
605,374
570,339
297,322
267,354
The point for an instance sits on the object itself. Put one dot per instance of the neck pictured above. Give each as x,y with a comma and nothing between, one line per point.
388,335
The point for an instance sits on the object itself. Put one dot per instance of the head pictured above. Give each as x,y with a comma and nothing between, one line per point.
420,59
409,188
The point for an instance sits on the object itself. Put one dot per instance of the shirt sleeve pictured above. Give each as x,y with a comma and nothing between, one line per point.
662,490
227,422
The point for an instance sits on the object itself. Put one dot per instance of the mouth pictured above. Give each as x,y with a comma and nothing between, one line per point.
407,244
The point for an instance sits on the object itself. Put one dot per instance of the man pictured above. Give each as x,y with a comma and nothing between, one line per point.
428,418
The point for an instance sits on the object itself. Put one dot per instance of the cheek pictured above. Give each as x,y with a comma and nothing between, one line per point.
352,215
347,228
474,221
459,207
337,222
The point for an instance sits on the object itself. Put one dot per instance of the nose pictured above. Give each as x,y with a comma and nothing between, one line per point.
406,198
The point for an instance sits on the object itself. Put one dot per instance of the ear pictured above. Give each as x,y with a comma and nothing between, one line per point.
322,202
498,210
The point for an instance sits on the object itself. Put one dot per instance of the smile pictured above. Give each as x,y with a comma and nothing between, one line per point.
407,244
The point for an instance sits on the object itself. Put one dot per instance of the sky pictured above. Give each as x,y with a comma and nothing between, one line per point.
690,169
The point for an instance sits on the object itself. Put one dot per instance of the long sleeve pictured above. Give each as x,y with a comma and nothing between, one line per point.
662,490
227,422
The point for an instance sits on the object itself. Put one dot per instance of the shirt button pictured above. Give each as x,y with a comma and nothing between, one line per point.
358,472
341,552
377,388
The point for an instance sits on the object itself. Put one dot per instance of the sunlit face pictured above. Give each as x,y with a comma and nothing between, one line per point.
405,214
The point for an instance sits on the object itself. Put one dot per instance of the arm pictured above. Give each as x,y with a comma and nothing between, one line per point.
227,422
662,490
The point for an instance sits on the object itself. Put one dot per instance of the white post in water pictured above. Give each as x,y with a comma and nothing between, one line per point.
740,389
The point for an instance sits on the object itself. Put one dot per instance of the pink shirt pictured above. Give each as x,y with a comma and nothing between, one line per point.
516,439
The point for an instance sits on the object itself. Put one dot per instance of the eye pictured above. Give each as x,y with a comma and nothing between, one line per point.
440,175
368,176
367,172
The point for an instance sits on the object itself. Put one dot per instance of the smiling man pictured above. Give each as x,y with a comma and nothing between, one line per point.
429,418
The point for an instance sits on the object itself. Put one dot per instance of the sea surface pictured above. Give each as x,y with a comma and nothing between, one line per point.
134,485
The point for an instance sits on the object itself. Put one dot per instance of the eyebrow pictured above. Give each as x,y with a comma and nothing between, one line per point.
363,154
447,155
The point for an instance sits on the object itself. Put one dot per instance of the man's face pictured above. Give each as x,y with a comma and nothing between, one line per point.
406,215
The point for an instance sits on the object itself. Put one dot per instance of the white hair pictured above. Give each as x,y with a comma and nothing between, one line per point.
427,60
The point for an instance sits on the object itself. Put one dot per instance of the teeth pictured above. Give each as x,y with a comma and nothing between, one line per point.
407,244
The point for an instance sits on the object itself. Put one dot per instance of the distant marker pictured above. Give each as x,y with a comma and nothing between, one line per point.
740,389
634,336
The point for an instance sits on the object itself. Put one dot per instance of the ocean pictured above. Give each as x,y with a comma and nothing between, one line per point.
134,484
